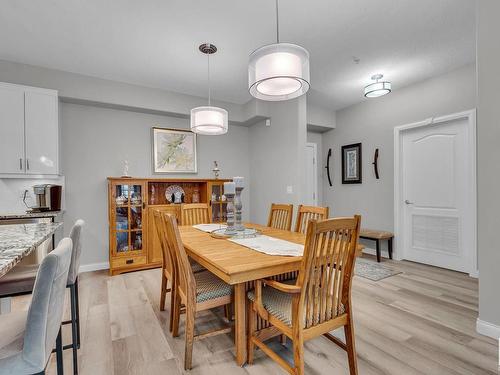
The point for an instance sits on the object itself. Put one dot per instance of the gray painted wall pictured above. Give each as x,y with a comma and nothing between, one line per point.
371,123
277,157
79,88
94,143
488,159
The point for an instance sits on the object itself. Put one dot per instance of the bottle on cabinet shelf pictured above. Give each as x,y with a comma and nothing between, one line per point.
196,196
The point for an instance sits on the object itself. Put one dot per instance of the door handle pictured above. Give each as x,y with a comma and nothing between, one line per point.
27,164
21,163
408,202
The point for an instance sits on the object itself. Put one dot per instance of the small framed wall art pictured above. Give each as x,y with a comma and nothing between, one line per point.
174,151
351,164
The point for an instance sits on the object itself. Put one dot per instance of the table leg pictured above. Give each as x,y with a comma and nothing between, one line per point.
240,329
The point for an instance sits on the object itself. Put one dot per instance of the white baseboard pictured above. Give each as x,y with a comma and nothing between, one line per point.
488,329
94,267
474,274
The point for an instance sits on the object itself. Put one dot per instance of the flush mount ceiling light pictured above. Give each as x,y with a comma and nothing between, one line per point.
278,71
376,89
208,120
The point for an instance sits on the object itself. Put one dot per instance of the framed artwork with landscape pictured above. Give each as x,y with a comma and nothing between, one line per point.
351,164
174,151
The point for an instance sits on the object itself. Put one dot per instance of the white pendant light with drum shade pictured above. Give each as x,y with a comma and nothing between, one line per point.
278,71
208,120
376,89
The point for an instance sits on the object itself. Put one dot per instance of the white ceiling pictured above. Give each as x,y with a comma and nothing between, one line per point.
154,42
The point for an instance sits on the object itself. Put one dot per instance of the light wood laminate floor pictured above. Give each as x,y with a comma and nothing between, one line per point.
421,321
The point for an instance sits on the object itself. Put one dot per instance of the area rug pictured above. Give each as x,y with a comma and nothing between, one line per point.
372,270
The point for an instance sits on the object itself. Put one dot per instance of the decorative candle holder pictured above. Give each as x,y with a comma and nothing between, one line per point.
238,205
216,170
230,229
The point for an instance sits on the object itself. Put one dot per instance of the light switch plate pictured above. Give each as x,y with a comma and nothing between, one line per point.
289,189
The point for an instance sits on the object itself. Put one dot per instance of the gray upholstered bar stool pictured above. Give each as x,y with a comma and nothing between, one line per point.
20,281
27,338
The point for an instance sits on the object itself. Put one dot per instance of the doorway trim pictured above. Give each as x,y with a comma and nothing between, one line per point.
315,171
471,189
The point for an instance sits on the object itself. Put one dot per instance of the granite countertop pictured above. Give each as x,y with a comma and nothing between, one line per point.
22,215
19,240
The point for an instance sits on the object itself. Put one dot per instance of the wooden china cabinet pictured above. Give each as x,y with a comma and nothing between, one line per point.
133,242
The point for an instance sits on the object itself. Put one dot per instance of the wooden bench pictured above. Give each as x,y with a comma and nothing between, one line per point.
377,236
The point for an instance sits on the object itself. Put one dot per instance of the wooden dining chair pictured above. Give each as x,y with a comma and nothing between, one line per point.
196,291
306,213
167,269
195,213
318,302
280,216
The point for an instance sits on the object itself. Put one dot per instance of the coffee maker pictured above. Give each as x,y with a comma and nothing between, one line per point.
48,197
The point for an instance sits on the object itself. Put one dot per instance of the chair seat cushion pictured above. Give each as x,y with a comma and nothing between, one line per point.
19,280
12,328
279,304
375,234
196,267
12,332
209,286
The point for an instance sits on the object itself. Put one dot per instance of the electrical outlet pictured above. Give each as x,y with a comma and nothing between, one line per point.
289,189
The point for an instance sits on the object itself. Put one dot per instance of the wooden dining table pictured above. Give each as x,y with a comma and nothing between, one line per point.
238,265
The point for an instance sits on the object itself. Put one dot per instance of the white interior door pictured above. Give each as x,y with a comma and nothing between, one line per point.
311,175
438,226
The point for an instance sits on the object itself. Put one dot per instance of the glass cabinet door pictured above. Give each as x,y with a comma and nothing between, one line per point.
128,217
217,202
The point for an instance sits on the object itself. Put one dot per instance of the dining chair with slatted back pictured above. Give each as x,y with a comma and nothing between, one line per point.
318,302
280,216
196,291
195,213
168,269
306,213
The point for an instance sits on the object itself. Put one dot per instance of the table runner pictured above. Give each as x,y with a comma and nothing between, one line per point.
209,227
270,245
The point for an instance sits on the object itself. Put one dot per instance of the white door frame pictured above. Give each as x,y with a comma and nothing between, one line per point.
471,210
315,171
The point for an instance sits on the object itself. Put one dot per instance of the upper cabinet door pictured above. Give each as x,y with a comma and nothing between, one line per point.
41,132
11,130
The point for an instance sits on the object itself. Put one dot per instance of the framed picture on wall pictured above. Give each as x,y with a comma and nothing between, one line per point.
351,164
174,151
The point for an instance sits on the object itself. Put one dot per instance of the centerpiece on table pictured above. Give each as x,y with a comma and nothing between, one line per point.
235,227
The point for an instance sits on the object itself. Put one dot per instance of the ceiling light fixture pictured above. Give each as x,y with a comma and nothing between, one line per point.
208,120
376,89
278,71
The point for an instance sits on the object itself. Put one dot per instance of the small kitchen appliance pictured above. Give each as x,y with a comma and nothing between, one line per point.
48,197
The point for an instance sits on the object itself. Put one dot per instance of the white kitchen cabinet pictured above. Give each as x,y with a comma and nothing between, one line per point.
11,130
29,131
41,132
